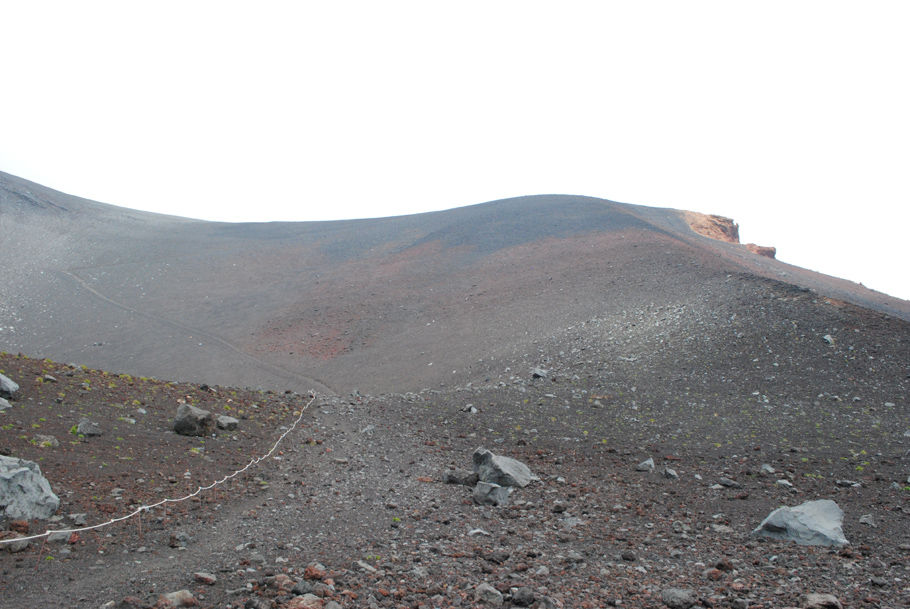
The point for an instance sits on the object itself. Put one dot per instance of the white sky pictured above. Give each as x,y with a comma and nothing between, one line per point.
790,117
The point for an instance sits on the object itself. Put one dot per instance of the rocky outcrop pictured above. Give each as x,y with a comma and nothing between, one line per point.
24,492
723,229
813,523
715,227
762,250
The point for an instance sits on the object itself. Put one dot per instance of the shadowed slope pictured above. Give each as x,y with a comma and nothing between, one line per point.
393,303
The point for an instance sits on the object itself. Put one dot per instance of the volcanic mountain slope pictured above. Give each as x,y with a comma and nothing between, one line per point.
754,393
392,303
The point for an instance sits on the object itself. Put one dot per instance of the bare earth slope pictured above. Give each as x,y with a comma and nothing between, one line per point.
388,304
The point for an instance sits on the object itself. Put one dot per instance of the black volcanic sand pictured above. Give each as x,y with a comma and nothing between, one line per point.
735,374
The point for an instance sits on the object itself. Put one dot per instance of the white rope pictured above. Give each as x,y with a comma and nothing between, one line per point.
145,508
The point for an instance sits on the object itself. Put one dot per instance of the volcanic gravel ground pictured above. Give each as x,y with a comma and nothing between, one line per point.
352,507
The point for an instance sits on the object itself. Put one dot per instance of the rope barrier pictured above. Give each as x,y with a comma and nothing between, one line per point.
145,508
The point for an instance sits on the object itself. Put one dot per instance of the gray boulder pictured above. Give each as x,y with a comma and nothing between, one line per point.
227,423
24,493
813,523
460,476
500,470
487,493
4,404
8,387
192,421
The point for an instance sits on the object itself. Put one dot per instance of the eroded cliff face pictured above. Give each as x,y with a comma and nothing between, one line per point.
723,229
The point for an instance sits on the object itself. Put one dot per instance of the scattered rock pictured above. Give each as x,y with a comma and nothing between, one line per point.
678,598
670,473
500,470
523,597
17,545
460,476
728,483
45,441
487,493
306,601
192,421
766,469
8,388
485,593
847,483
87,427
820,601
813,523
539,373
868,520
4,405
205,578
180,598
24,492
227,423
645,466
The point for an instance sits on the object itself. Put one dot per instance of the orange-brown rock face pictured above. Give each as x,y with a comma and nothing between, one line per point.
762,250
715,227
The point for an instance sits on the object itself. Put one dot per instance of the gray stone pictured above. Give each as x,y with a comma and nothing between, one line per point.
460,476
8,387
813,523
500,470
766,469
868,520
24,492
45,441
523,597
727,482
670,473
192,421
487,493
4,404
487,594
14,545
227,423
820,601
539,373
645,466
87,427
678,598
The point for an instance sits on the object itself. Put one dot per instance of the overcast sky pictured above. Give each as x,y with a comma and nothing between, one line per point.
790,117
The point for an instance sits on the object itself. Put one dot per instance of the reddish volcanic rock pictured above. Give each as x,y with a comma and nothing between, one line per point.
762,250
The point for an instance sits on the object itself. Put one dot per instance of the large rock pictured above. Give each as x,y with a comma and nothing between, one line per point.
24,492
8,387
192,421
488,493
500,470
813,523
